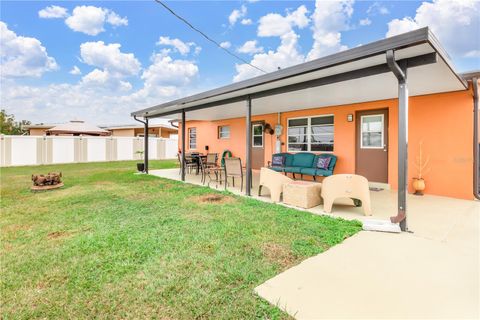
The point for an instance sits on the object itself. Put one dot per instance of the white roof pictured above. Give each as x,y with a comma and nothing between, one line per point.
78,127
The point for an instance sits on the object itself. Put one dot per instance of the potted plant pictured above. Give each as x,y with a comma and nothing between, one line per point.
421,165
140,165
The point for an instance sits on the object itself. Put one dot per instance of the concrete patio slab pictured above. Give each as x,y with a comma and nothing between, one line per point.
432,273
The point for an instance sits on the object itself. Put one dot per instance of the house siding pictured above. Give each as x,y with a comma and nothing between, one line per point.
442,121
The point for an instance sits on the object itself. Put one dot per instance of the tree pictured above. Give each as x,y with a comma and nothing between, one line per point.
9,126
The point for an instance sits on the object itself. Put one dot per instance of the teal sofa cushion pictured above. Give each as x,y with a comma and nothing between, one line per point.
309,171
293,169
323,172
278,169
303,159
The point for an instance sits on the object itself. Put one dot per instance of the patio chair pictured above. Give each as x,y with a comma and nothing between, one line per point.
211,160
233,169
274,181
350,186
207,169
189,162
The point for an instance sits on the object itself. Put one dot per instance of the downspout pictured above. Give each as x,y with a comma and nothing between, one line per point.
476,147
145,139
173,125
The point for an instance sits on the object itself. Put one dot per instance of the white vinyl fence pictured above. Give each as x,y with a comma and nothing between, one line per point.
34,150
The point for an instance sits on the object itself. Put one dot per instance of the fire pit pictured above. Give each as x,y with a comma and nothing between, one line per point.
50,181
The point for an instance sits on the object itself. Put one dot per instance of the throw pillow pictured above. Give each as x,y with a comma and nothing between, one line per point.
323,163
278,161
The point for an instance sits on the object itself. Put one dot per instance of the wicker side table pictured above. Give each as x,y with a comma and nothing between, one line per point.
303,194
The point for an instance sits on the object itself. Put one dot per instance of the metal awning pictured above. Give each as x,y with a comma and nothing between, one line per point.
357,75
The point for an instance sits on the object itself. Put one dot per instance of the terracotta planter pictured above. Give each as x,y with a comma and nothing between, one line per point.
418,186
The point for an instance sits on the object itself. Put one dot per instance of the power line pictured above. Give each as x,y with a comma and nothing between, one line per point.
207,37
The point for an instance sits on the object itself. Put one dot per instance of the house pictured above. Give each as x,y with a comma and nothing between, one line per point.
72,128
156,130
373,106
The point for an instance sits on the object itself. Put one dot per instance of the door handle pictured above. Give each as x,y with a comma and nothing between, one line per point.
385,147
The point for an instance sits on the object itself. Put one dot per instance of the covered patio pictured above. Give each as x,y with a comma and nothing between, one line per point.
398,67
423,210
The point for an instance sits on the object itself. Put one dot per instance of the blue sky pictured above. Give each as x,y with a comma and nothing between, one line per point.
129,55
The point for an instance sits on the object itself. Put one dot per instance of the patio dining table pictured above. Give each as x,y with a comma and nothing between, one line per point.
196,158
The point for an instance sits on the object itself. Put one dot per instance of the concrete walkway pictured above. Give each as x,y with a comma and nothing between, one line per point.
432,273
376,275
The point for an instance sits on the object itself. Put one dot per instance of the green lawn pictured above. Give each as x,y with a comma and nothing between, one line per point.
111,244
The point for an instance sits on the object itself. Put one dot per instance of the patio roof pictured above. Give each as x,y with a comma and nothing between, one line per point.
357,75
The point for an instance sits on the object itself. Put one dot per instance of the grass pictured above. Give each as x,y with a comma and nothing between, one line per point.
111,244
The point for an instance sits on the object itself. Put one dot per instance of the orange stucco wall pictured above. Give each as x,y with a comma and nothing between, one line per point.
442,121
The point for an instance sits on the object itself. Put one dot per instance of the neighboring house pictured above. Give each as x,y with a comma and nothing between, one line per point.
72,128
346,104
154,130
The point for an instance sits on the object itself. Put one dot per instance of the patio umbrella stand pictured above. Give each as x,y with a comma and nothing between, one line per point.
381,226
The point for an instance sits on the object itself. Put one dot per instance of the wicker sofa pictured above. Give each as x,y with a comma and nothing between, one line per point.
303,163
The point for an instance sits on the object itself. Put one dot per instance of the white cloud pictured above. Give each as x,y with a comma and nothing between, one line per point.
365,22
246,22
377,8
179,45
100,97
225,44
455,23
115,20
109,57
472,54
52,12
75,71
398,26
274,24
237,14
91,20
286,55
250,47
330,18
23,56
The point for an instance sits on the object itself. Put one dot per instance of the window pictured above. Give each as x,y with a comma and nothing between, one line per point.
192,138
257,135
372,132
223,132
310,134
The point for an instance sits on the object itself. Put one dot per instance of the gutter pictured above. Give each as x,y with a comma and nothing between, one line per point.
476,146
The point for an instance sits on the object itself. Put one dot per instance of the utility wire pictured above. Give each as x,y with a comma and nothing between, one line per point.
207,37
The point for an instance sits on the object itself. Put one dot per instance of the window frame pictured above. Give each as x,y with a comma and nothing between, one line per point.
190,138
258,135
309,132
382,144
219,130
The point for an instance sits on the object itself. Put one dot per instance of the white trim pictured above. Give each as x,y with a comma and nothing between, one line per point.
189,139
382,144
253,135
309,134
